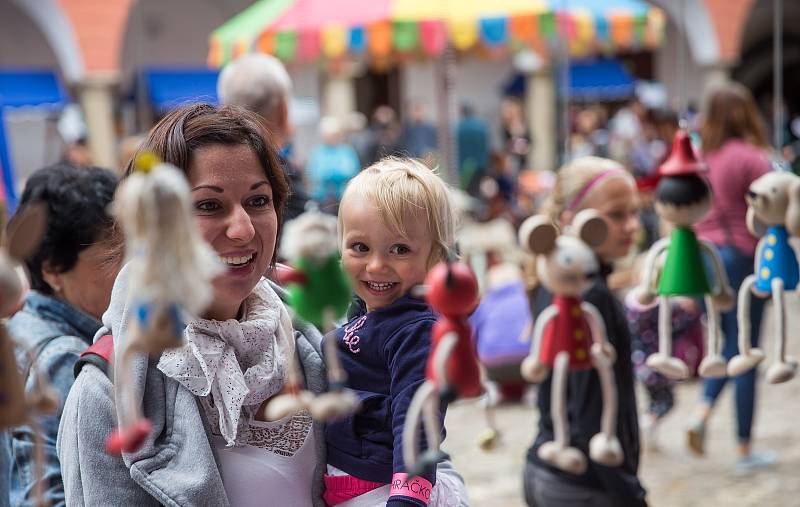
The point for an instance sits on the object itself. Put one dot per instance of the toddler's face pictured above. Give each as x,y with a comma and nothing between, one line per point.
382,264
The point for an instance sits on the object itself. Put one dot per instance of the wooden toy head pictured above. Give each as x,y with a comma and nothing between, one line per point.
774,199
452,289
312,236
683,200
25,232
566,263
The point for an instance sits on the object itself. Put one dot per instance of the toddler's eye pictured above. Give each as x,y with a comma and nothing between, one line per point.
359,247
400,250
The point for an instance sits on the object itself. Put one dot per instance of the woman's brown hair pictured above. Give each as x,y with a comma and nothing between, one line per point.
183,131
731,113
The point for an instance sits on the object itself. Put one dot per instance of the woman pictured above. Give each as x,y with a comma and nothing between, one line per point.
735,149
71,284
603,185
239,190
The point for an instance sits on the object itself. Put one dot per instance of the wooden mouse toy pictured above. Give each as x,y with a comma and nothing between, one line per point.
25,231
773,213
683,198
570,334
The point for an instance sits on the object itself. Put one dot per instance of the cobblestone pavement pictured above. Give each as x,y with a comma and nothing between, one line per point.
672,476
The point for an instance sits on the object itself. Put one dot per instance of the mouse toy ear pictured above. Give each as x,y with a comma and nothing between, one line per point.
537,235
590,227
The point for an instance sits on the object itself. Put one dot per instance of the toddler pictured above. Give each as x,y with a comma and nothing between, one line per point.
395,223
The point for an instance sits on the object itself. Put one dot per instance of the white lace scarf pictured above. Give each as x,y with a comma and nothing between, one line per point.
238,363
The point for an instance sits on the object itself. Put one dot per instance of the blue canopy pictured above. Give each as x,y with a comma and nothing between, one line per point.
24,88
172,87
590,81
601,79
30,88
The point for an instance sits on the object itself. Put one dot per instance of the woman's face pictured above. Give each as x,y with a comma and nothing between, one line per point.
87,286
235,214
617,201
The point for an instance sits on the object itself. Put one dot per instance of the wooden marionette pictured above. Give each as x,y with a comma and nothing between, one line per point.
683,198
570,334
171,268
452,371
319,293
25,231
773,213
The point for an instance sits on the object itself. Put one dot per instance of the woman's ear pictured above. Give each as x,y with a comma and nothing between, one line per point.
756,227
537,235
52,277
792,210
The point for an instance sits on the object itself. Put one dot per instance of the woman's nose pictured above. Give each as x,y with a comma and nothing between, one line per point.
240,227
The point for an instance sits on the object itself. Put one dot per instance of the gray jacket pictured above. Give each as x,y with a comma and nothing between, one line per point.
176,465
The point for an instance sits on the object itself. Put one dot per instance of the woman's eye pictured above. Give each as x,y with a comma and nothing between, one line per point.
206,206
401,249
359,247
260,202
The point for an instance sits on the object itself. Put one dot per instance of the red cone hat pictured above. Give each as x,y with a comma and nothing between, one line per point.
682,160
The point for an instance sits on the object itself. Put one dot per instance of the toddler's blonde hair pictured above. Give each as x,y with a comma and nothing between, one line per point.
399,187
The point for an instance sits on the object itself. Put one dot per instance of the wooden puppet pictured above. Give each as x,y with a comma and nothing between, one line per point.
570,334
683,198
25,231
773,213
452,370
171,268
319,293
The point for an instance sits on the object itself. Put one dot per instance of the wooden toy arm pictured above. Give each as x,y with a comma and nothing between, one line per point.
599,334
538,329
650,264
442,354
596,323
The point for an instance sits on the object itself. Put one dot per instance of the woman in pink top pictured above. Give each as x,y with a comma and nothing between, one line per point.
735,149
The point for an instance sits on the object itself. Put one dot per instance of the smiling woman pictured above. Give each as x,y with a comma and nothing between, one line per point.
207,447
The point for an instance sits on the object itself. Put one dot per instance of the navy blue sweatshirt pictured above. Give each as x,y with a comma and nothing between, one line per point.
384,353
585,405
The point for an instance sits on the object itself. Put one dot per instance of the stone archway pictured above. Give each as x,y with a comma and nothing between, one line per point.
57,28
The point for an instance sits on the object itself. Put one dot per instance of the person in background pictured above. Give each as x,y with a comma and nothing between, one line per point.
384,135
259,83
331,165
605,186
472,141
70,279
419,134
514,131
735,149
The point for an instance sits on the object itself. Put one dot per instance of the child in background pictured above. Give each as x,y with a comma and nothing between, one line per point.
395,223
687,337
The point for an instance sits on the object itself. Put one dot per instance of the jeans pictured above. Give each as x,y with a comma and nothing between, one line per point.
738,267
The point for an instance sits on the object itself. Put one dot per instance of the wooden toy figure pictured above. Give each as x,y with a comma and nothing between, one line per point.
171,268
319,292
570,334
773,212
452,371
683,198
24,234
